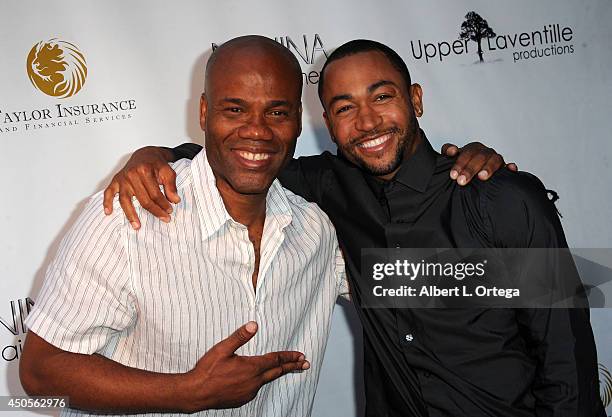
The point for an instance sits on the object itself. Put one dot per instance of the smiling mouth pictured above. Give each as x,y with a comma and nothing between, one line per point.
250,156
376,143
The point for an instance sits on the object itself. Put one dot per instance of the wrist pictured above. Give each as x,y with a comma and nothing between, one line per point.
167,154
191,393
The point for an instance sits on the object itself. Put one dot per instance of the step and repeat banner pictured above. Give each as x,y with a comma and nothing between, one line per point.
85,83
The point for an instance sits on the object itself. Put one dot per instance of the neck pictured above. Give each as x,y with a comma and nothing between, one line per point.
246,209
411,147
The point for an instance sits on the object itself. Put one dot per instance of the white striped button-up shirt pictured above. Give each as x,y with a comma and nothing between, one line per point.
159,298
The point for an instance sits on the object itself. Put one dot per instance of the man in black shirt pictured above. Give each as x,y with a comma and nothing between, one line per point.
388,188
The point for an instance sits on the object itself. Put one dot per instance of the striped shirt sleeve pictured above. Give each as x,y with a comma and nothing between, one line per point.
86,298
343,284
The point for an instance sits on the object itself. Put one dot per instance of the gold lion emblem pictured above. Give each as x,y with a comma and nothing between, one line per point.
605,382
57,68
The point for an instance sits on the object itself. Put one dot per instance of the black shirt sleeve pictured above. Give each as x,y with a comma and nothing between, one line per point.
186,151
306,176
520,215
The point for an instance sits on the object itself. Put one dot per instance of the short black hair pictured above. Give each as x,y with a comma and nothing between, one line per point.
364,45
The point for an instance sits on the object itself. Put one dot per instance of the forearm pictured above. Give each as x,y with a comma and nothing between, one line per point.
96,383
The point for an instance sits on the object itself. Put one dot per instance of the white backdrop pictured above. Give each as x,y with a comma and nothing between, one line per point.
551,114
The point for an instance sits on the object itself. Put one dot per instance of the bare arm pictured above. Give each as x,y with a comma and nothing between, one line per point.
148,168
220,379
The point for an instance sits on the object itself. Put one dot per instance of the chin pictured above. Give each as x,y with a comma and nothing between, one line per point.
379,168
252,187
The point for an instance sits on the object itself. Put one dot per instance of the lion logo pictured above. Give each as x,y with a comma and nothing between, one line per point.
605,382
57,68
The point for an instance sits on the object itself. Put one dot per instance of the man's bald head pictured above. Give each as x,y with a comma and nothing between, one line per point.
245,51
251,112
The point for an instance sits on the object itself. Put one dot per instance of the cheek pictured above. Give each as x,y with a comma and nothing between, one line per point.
399,115
221,129
286,135
341,131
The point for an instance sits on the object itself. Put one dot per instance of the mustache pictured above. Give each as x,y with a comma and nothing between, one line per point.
373,133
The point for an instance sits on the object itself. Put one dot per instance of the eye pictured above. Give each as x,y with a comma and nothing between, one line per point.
279,113
343,109
234,109
382,97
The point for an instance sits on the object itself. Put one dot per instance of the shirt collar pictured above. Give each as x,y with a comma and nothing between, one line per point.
416,171
212,212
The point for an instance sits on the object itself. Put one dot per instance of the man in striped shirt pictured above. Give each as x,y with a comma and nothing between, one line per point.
145,322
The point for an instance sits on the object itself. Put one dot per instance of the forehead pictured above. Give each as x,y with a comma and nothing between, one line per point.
355,73
252,75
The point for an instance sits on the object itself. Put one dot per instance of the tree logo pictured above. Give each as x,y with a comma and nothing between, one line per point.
57,68
475,28
605,382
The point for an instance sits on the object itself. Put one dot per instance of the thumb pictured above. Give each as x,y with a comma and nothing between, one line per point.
239,338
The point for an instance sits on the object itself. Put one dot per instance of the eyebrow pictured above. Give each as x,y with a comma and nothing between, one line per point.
380,83
278,103
340,97
237,101
241,102
371,88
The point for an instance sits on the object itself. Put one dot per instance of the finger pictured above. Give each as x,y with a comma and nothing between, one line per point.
167,177
125,199
494,163
240,337
274,359
142,195
512,166
467,165
276,372
464,155
109,197
151,184
449,149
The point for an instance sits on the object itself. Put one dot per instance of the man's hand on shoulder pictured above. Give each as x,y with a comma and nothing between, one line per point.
145,171
474,159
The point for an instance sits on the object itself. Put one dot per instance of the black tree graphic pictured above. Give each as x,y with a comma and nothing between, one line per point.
475,28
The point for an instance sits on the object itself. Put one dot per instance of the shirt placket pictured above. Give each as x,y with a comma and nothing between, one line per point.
247,262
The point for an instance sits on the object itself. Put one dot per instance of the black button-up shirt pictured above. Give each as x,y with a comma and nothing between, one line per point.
453,362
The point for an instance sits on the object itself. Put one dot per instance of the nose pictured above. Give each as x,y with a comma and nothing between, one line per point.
255,128
368,119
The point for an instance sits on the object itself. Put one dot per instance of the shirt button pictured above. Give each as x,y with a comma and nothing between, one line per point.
409,337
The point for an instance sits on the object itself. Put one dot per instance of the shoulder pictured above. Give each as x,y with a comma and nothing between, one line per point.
518,190
507,188
184,175
308,215
93,227
517,209
184,180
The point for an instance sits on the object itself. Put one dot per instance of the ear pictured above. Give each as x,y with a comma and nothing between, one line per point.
329,127
416,97
299,132
203,110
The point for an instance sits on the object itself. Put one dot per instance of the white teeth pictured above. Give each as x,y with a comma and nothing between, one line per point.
253,156
375,142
